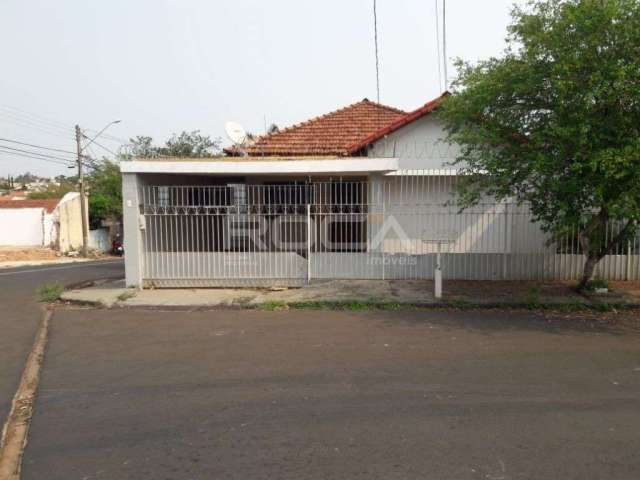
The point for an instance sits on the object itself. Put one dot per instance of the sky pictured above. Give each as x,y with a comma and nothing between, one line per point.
163,66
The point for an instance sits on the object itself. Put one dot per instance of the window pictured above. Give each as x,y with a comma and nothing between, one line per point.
163,196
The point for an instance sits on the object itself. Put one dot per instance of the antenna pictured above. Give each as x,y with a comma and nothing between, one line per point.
236,133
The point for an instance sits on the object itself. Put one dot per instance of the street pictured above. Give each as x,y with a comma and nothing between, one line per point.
239,394
21,313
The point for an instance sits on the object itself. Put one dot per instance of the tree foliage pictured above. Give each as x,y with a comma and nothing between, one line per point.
59,190
105,192
185,144
555,122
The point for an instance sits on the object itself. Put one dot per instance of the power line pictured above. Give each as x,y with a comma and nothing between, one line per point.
438,46
44,155
375,34
102,147
39,128
25,118
108,137
36,146
32,121
57,162
40,118
444,43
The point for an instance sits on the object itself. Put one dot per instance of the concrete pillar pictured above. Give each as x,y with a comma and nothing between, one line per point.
131,227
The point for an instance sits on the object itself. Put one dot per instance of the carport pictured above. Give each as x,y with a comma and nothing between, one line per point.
217,222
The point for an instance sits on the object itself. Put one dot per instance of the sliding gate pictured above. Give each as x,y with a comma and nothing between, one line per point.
238,234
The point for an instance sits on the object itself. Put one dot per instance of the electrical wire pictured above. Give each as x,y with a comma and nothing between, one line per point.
39,118
106,136
36,127
444,44
103,147
36,146
30,121
45,155
375,34
438,46
57,162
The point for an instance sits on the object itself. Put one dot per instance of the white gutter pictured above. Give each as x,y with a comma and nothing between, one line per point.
249,167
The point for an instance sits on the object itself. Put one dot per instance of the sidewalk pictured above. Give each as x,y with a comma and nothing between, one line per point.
362,293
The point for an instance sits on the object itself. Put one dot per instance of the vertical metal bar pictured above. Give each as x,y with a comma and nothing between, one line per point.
308,243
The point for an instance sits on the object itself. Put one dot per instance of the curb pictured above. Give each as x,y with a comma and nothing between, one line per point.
354,305
16,429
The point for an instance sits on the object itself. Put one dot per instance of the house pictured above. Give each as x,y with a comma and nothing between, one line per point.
54,223
364,192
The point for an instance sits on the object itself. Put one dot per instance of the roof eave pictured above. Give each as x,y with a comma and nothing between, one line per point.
398,124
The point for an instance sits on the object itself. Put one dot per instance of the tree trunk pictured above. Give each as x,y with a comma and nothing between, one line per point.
587,272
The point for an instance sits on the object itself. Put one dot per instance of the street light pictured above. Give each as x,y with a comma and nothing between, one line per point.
83,196
100,133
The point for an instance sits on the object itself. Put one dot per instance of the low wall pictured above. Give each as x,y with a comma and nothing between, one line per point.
214,268
470,266
99,240
22,227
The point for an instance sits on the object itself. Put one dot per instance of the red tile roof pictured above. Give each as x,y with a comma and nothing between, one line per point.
331,134
426,109
48,204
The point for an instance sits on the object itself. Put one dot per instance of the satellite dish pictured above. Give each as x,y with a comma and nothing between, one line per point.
235,132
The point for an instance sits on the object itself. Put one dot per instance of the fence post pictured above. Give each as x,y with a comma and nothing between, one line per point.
505,253
308,243
628,272
384,219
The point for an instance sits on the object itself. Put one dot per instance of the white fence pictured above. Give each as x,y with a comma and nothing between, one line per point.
383,228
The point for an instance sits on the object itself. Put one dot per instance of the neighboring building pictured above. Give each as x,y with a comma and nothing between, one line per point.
363,192
54,223
14,195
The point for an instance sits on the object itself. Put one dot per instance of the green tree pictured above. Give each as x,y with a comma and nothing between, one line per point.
65,185
555,122
186,144
105,192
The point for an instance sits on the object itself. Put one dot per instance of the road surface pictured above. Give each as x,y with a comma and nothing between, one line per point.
306,395
20,313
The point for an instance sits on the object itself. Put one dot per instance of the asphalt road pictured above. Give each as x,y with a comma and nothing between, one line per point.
20,313
389,395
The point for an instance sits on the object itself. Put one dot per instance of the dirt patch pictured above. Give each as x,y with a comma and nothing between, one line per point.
13,254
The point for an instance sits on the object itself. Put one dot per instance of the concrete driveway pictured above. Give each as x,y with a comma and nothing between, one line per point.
385,395
20,313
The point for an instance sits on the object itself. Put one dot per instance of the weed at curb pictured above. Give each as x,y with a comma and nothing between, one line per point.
458,304
273,306
50,292
124,296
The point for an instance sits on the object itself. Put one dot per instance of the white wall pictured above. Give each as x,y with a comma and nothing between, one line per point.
99,240
68,215
418,145
21,227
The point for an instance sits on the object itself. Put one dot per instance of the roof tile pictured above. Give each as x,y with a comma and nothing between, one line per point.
330,134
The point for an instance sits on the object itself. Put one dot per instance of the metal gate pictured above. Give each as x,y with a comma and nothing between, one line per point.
238,234
289,233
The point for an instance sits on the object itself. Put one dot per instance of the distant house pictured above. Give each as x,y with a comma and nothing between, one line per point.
54,223
364,192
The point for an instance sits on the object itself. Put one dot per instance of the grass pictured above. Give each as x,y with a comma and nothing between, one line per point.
459,304
124,296
50,292
350,306
596,284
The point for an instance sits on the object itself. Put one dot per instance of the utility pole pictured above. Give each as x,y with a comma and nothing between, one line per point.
83,194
